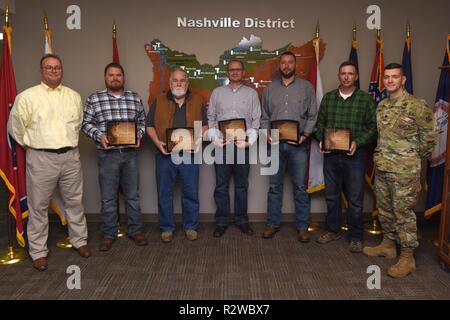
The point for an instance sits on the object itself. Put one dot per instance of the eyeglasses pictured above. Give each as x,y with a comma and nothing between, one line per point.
235,70
51,68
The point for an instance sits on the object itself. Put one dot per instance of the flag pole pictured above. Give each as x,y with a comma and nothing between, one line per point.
64,243
374,227
344,226
314,226
121,231
11,255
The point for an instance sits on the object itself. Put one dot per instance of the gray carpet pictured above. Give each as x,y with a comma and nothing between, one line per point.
236,266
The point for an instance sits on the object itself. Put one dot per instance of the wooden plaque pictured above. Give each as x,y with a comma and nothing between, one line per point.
233,130
337,140
121,133
180,139
289,130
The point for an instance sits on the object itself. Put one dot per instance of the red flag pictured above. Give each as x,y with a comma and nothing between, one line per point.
378,93
114,43
115,51
12,160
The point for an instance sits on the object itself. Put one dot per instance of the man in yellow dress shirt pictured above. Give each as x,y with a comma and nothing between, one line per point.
46,121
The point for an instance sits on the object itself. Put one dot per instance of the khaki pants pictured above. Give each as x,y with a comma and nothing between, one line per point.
45,172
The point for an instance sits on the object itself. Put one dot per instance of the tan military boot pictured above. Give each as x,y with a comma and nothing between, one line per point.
405,265
385,249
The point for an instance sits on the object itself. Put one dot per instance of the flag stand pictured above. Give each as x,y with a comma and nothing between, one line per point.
11,255
64,243
313,227
374,227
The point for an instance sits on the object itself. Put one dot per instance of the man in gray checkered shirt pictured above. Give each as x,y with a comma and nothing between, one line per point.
117,164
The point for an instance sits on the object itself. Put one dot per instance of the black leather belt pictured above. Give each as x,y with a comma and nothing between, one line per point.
59,151
119,150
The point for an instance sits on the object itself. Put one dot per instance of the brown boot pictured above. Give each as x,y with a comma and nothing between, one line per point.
405,265
385,249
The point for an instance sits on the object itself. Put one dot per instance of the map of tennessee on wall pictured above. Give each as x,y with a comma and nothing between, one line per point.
261,65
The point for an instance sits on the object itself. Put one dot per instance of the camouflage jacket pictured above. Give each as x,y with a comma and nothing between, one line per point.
407,133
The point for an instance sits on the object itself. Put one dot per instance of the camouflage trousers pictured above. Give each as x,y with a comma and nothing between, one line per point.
397,194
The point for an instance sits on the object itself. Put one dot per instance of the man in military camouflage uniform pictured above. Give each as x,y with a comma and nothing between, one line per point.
406,135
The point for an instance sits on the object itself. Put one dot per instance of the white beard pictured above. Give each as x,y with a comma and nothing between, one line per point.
178,92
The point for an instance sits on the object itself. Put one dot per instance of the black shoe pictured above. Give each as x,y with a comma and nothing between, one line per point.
219,231
245,228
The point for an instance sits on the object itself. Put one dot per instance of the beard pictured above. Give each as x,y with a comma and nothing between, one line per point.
178,92
288,74
115,86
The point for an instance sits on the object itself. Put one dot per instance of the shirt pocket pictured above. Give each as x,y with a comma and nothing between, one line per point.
404,126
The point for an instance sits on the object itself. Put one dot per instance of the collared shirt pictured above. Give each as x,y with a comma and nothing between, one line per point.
296,101
356,113
179,115
46,118
102,107
227,103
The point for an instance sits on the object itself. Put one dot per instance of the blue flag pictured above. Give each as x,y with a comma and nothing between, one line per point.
407,68
354,58
436,165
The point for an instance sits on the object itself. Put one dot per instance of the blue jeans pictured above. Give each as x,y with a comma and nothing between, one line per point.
119,169
295,158
240,173
166,177
344,173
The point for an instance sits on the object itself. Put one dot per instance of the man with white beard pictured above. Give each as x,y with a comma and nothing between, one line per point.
178,108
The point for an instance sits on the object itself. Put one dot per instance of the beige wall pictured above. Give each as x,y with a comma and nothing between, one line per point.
85,53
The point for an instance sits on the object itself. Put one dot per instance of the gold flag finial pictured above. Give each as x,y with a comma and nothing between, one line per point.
317,30
354,31
7,16
408,29
45,21
114,29
378,34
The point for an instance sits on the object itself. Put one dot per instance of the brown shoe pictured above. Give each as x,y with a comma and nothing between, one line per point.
139,239
106,244
40,264
269,232
84,251
303,236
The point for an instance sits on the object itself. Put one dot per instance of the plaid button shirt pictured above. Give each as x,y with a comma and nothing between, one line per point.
357,113
102,107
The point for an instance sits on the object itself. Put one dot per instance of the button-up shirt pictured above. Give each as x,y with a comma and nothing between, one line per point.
233,103
356,113
296,101
46,118
102,107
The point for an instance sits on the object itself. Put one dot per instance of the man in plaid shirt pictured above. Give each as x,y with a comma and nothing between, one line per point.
346,108
118,165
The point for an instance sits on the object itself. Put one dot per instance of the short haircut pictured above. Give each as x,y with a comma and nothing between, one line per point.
348,64
288,53
394,65
114,65
236,60
47,56
180,70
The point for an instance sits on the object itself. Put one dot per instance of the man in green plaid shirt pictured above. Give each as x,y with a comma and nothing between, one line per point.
346,108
